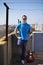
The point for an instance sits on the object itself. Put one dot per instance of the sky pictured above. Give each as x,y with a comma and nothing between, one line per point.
32,8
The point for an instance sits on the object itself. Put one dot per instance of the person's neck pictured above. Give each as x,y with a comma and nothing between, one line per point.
24,22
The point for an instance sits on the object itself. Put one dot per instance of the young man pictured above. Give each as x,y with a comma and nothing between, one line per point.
24,31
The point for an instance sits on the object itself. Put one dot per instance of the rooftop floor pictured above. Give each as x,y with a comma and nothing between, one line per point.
36,62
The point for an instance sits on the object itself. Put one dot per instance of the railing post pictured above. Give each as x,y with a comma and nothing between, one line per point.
7,13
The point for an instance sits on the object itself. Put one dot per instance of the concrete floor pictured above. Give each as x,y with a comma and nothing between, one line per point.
36,62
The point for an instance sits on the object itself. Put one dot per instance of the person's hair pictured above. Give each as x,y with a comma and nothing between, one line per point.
24,16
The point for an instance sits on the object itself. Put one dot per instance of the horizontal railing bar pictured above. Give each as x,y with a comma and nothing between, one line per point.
4,37
3,42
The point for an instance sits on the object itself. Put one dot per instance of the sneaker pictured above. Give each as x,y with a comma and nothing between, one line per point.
22,61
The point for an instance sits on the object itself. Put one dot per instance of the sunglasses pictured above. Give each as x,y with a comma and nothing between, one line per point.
24,18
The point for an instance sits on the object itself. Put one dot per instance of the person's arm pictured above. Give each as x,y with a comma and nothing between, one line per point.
30,33
15,31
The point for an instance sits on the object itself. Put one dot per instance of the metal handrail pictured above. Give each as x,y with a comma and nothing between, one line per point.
4,37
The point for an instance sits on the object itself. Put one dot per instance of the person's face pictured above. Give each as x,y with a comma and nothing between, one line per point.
24,19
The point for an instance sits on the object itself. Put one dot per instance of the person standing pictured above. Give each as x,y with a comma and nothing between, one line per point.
24,28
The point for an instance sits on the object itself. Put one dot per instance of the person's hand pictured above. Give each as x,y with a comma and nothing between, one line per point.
31,35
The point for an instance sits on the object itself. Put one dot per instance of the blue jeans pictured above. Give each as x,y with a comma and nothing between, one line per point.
23,49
